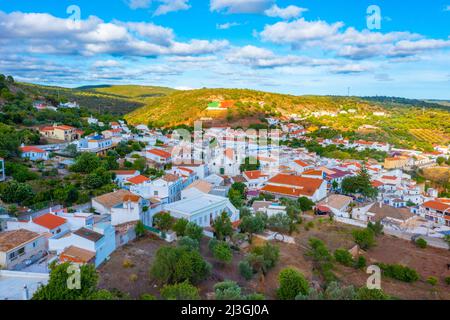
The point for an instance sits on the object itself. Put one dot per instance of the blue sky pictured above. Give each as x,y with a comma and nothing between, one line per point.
287,46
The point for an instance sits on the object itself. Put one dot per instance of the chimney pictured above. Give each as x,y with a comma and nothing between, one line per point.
25,293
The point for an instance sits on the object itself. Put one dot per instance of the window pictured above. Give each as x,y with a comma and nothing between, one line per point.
156,193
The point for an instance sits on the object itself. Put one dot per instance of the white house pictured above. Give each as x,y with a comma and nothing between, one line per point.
130,210
123,175
255,179
299,166
34,153
48,223
159,156
202,209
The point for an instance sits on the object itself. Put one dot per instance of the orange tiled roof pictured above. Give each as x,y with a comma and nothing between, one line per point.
49,221
301,163
437,205
160,153
138,179
124,172
255,174
31,149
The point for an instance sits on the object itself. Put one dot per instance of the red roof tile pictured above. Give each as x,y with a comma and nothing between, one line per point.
160,153
49,221
138,179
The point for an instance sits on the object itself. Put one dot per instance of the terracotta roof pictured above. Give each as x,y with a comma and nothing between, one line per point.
229,153
302,163
170,177
112,199
437,205
32,149
77,255
12,239
256,174
88,234
160,153
138,179
201,185
313,173
283,191
389,177
132,198
377,183
390,212
50,221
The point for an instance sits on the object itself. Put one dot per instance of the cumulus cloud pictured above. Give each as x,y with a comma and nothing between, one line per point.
287,13
171,6
349,43
106,63
241,6
138,4
44,33
257,57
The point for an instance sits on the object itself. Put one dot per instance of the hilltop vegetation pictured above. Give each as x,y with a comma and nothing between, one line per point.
130,91
184,107
91,100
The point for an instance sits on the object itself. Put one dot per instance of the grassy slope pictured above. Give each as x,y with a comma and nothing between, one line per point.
133,91
183,107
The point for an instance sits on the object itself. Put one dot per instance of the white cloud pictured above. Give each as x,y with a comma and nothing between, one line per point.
44,33
139,4
349,43
227,25
257,57
299,31
350,69
106,64
171,6
241,6
287,13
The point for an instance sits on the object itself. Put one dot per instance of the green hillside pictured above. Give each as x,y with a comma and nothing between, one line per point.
130,91
184,107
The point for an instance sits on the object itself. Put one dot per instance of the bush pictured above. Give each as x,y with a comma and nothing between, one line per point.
360,262
447,280
222,252
246,270
399,272
227,290
270,255
421,243
432,280
127,263
188,243
292,283
147,296
365,293
180,291
174,265
194,231
309,225
343,257
133,277
180,227
364,238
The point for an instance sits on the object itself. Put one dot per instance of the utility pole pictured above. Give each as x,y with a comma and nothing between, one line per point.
348,91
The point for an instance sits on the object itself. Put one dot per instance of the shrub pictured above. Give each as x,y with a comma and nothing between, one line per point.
269,253
399,272
376,227
360,262
421,243
180,227
364,238
227,290
147,296
174,265
292,283
245,269
188,243
194,231
222,252
309,225
343,257
180,291
133,277
432,280
127,263
365,293
447,281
